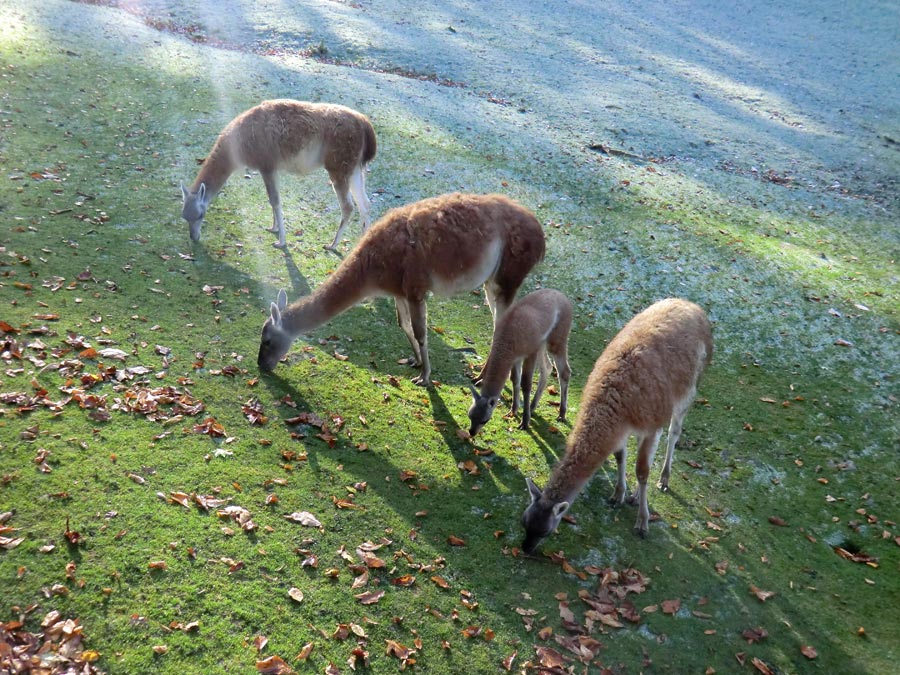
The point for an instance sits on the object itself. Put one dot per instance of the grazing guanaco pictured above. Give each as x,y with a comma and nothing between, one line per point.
293,136
534,327
446,245
646,376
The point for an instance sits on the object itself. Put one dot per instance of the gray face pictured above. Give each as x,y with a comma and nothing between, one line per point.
273,345
481,411
540,519
193,209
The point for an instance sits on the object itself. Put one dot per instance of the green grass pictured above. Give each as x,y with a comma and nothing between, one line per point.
114,142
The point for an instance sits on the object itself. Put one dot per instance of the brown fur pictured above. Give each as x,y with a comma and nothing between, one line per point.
646,376
447,244
298,137
534,327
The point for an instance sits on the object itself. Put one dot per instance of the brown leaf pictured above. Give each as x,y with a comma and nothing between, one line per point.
671,606
274,665
455,541
762,666
295,594
761,594
809,652
369,597
406,581
305,652
440,581
394,648
775,520
507,663
757,634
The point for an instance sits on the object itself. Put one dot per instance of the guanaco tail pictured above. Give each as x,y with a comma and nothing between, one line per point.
534,327
292,136
447,245
647,375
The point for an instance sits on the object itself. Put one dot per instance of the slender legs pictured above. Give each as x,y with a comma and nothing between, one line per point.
411,316
275,201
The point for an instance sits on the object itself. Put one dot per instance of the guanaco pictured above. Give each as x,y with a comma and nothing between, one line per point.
647,375
534,327
293,136
446,245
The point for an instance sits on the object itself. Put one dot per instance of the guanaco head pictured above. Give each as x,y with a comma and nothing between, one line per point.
275,342
193,208
481,410
540,518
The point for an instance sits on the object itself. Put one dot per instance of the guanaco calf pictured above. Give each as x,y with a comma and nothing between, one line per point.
293,136
446,245
647,375
534,327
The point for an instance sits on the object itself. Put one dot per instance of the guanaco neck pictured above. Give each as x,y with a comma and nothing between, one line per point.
499,365
217,167
346,287
597,435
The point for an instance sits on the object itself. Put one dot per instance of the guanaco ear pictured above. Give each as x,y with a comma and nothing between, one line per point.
281,299
560,509
184,192
201,193
474,391
533,490
275,315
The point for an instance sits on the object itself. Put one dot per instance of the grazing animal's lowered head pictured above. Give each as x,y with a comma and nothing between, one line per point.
275,342
481,410
540,518
193,208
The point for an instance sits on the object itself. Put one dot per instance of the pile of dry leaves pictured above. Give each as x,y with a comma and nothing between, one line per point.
56,650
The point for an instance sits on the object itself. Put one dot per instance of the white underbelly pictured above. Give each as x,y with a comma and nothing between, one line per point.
471,278
306,161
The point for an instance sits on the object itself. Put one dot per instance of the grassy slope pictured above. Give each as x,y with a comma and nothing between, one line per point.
124,135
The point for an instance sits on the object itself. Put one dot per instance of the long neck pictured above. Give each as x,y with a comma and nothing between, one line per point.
217,167
597,434
499,364
346,287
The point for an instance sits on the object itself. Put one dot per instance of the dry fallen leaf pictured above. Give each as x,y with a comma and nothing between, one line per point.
274,665
296,594
304,518
369,597
809,652
761,594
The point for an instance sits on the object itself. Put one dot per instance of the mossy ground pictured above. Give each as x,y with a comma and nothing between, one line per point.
101,121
